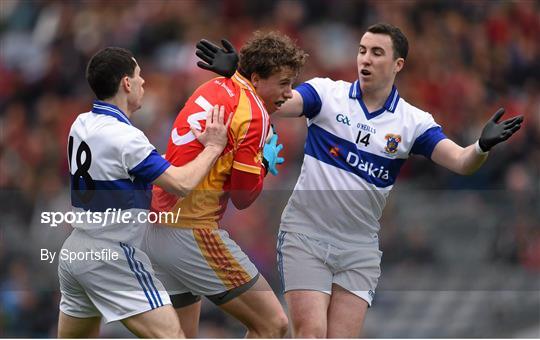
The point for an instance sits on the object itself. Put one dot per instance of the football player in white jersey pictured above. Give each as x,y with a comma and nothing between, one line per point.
359,136
112,167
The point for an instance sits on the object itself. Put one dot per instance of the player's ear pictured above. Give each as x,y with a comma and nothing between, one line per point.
125,84
399,64
255,78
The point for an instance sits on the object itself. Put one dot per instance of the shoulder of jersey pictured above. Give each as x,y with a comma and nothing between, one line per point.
329,84
412,111
107,126
322,81
220,88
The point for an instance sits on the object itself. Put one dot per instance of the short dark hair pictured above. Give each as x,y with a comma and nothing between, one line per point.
266,53
106,69
400,43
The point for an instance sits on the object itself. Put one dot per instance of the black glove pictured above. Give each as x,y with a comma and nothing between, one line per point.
494,132
222,61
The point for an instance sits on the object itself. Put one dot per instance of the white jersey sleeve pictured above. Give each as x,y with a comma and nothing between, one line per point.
427,133
315,93
140,158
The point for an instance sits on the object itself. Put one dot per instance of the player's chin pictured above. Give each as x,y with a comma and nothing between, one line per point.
367,83
272,108
278,104
366,78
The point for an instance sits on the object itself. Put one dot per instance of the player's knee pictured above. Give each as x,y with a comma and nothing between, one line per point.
309,330
310,334
167,330
282,325
178,332
172,331
275,327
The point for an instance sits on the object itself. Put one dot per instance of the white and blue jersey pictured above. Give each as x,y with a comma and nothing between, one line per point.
112,165
352,159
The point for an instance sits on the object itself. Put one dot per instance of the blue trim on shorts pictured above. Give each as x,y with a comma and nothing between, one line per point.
145,274
151,281
133,265
281,239
124,247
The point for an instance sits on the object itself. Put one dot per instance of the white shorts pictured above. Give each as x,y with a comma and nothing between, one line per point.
305,263
116,286
203,262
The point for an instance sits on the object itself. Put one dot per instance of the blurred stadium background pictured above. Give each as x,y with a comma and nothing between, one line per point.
461,254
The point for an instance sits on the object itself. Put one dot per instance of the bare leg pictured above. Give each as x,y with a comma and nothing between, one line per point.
189,319
308,310
346,314
161,322
260,311
72,327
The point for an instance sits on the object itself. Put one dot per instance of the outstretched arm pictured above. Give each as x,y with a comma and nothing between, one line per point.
465,161
293,107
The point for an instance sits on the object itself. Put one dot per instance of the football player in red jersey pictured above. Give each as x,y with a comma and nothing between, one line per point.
192,255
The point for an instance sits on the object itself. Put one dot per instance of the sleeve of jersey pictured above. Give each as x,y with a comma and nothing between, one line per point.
312,91
142,160
428,139
245,188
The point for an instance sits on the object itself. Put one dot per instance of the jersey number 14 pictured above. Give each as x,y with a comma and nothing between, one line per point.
364,140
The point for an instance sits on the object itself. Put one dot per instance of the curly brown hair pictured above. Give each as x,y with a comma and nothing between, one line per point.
267,52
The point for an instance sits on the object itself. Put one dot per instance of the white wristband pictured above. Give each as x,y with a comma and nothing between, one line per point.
478,149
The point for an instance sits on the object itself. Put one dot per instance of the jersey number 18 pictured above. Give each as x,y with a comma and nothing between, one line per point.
82,170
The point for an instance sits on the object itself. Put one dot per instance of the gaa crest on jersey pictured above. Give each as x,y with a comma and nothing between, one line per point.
392,143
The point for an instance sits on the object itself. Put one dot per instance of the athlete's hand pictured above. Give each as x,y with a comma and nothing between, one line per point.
495,132
222,61
271,154
215,132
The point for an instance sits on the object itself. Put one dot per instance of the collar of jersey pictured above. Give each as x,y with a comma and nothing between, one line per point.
243,82
104,108
390,105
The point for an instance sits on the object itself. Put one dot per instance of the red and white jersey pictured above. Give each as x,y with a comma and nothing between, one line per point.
250,123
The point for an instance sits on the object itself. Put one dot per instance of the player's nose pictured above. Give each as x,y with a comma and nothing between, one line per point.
365,60
287,94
